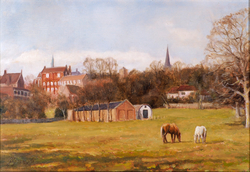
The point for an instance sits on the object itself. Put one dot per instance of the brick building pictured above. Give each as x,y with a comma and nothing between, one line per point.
49,78
12,85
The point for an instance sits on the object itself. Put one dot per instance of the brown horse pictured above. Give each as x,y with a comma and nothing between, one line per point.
172,129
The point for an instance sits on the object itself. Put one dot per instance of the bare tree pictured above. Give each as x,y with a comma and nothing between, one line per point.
228,51
111,65
100,66
89,65
62,103
109,92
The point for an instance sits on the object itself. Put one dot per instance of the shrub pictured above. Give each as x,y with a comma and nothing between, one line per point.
59,113
41,115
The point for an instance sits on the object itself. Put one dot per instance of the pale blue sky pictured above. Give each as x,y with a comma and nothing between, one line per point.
135,32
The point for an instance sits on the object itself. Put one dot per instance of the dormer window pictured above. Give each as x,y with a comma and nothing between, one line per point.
47,75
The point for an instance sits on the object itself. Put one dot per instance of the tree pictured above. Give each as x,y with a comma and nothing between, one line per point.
100,67
228,52
37,103
90,96
111,65
109,94
198,80
89,65
62,103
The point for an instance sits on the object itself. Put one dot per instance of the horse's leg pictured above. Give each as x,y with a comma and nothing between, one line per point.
202,138
174,137
166,138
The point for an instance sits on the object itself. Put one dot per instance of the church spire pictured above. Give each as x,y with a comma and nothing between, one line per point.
167,61
52,61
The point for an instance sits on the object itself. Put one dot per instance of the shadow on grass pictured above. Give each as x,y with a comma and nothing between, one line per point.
6,143
46,160
236,123
214,142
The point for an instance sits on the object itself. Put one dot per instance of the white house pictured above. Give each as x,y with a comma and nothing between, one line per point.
181,91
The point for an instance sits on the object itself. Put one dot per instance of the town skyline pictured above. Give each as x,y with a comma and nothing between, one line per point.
135,33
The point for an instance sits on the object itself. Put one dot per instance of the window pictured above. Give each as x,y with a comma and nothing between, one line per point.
25,94
52,83
64,82
67,82
55,83
79,81
55,88
48,89
47,75
52,89
43,83
21,92
47,83
74,81
70,82
182,93
58,75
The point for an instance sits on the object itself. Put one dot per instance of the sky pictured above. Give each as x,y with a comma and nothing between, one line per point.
134,32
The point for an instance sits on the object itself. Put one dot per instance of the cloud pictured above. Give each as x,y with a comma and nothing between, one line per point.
32,62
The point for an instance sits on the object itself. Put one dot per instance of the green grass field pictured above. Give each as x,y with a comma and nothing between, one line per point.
130,145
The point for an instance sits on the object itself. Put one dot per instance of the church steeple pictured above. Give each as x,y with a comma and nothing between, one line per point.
167,61
52,61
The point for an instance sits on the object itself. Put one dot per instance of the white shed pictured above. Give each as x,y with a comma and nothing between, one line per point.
143,111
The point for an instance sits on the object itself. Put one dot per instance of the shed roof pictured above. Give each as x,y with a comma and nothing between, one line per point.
112,105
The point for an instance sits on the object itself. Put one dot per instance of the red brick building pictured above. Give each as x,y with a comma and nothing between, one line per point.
12,85
48,78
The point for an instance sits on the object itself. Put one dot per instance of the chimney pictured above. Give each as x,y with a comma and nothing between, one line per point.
69,69
5,72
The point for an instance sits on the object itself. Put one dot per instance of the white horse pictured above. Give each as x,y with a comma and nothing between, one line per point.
200,132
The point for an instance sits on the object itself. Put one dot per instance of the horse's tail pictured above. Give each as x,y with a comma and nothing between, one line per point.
161,131
205,132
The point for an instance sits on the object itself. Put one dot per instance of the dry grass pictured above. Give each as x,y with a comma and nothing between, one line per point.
129,145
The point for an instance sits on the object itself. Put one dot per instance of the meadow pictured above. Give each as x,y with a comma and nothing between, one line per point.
129,145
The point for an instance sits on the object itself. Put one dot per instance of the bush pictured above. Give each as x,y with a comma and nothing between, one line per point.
59,113
41,115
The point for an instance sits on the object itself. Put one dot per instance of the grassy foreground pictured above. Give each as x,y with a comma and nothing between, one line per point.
129,145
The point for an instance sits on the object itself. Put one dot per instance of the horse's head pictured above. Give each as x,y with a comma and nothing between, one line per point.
179,137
